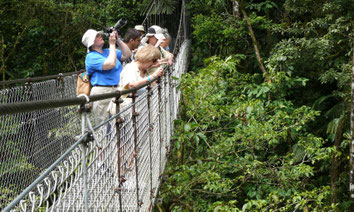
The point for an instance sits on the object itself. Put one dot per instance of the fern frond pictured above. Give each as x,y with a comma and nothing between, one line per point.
159,7
320,100
299,153
335,123
336,111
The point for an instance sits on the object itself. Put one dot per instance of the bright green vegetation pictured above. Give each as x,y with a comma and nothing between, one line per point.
275,139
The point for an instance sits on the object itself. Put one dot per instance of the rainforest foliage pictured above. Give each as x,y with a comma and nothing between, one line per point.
264,120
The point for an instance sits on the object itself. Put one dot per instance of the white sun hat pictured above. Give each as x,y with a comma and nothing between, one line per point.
140,28
89,37
155,31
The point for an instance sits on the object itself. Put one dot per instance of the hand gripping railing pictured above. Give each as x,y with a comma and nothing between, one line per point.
115,166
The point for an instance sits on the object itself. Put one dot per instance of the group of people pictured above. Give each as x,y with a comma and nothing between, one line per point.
126,63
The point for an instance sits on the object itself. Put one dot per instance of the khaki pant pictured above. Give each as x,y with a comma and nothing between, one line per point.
99,108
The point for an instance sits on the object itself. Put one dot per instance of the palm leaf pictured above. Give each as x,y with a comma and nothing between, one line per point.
320,100
336,111
335,123
159,7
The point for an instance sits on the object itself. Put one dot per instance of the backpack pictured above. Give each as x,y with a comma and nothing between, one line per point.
83,84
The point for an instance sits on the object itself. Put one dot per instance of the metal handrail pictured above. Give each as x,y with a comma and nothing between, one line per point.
33,79
21,107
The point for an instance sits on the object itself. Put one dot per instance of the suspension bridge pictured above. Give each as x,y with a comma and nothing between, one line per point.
53,159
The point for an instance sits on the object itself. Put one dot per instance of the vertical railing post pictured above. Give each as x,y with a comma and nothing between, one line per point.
170,91
28,89
166,115
119,121
29,125
135,114
61,85
83,157
84,173
61,91
149,94
172,102
160,125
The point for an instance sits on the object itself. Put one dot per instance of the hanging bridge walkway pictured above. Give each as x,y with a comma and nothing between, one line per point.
53,159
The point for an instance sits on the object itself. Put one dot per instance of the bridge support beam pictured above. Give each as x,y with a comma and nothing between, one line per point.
119,120
135,114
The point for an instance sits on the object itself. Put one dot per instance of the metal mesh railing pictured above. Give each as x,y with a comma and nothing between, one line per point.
31,142
45,165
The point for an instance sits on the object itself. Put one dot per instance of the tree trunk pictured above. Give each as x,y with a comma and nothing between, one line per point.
259,58
236,11
336,163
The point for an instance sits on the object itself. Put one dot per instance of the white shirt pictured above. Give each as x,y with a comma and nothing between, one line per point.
130,74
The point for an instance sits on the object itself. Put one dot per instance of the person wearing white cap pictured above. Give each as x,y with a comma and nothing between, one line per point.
141,29
104,67
155,37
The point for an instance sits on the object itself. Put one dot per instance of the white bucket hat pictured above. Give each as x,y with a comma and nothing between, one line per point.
89,37
140,28
155,31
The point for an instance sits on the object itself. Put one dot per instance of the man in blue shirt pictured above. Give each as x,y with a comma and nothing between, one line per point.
104,67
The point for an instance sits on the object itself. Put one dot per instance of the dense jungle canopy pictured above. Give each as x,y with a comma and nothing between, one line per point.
265,117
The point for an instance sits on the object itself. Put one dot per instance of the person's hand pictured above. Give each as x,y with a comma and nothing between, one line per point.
170,61
113,38
163,61
117,36
158,63
158,73
155,65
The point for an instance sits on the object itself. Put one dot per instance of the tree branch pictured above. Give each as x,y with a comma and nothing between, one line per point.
255,45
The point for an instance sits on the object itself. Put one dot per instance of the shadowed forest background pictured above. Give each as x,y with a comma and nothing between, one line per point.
265,117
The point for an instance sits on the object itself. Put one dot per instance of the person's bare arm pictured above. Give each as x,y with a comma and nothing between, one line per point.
159,72
110,62
126,53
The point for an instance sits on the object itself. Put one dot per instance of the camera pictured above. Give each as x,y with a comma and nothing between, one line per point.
120,24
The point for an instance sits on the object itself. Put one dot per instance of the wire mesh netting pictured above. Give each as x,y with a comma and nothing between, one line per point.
31,142
48,161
